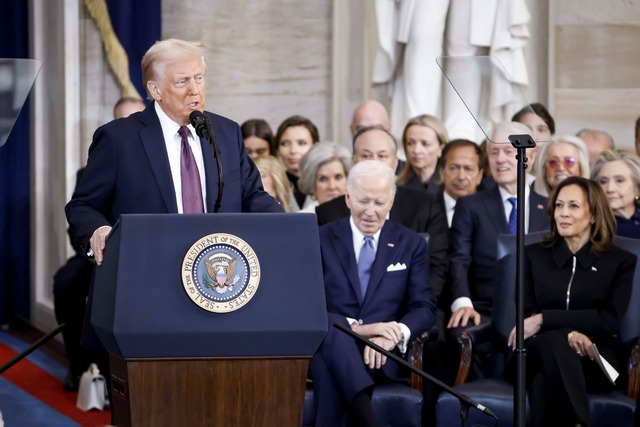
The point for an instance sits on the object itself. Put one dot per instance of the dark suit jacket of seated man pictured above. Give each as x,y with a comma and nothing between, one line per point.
477,221
417,210
398,291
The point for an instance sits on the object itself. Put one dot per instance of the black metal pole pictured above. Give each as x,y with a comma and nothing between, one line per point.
521,143
32,348
465,401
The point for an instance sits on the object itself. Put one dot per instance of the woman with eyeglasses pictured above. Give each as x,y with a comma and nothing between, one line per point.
618,172
559,159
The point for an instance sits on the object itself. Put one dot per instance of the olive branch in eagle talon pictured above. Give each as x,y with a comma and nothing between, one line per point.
207,281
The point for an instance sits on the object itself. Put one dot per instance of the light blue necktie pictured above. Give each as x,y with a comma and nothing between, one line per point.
365,261
513,216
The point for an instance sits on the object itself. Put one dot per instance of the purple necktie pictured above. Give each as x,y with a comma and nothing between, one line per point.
189,177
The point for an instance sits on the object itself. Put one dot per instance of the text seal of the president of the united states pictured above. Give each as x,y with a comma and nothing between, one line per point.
220,273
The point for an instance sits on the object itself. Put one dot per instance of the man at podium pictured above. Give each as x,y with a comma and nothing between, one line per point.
376,280
153,161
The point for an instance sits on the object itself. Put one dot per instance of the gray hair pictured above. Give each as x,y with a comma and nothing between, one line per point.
319,155
510,128
587,131
540,185
374,169
630,159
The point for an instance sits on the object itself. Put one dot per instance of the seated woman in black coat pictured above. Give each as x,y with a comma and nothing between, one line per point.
577,288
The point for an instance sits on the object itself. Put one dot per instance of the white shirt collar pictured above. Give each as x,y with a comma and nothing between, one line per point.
169,127
505,194
449,206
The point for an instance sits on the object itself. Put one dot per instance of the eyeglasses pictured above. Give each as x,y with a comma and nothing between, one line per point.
554,162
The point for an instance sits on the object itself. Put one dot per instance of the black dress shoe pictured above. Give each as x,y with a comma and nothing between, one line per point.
71,382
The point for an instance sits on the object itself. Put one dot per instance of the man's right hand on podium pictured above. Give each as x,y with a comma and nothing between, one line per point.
98,241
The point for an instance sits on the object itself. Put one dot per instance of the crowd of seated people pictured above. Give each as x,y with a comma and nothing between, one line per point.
460,187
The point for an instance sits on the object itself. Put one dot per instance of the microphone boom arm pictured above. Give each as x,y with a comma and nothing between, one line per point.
464,399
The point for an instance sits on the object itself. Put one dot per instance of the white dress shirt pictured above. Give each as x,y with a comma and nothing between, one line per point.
358,242
173,144
449,207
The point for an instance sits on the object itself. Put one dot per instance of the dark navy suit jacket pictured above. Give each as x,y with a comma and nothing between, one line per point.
128,172
403,295
477,221
416,210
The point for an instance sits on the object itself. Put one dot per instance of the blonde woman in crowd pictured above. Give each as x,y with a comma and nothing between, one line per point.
422,140
274,180
559,159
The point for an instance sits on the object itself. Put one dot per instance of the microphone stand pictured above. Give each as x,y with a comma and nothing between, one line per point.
216,152
203,128
465,401
32,348
520,143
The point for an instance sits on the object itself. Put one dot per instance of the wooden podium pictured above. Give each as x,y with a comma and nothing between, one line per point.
173,362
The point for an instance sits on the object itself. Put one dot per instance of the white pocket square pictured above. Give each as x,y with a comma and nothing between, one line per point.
397,267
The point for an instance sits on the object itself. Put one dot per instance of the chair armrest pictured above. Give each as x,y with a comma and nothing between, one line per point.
475,334
416,348
634,371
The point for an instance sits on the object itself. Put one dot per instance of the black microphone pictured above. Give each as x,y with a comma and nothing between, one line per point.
462,397
203,129
199,121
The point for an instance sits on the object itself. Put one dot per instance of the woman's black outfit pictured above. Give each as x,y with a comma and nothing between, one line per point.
585,292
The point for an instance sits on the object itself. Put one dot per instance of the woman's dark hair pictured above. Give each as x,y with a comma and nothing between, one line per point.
541,111
603,227
259,128
295,121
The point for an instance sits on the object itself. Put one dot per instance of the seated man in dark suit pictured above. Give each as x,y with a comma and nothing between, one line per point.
376,281
477,221
414,209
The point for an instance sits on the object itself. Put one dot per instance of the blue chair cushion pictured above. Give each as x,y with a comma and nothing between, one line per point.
394,404
611,408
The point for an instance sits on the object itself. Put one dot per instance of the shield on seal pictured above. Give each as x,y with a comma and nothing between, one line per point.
221,275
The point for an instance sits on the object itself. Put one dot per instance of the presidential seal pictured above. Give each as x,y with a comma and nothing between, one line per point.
220,273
